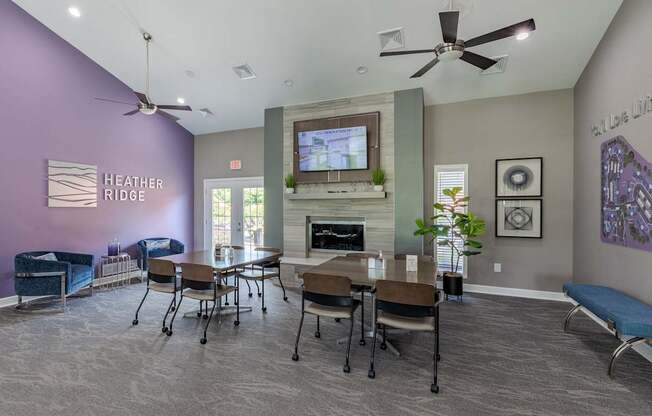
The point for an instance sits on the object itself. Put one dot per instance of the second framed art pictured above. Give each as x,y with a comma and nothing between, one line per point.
516,178
521,218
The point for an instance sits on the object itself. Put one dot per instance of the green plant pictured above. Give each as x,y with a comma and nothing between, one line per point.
290,182
450,223
378,176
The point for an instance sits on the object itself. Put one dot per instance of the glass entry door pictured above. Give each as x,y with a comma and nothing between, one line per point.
234,212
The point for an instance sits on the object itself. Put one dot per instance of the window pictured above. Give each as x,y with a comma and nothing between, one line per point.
449,176
253,217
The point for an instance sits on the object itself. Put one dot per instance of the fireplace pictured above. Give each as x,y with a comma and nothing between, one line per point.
336,234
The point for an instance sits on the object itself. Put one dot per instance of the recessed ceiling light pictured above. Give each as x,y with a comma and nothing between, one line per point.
362,70
74,11
181,100
522,35
288,82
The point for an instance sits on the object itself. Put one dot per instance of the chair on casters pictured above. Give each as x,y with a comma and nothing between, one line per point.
330,296
162,278
409,306
264,271
198,282
360,290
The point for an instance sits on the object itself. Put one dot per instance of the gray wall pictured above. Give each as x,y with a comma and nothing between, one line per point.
619,72
479,132
213,152
274,185
408,169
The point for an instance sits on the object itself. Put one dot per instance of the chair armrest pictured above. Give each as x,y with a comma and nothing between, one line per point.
75,258
177,246
41,274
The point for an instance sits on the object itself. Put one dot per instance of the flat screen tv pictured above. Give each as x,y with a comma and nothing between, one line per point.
333,149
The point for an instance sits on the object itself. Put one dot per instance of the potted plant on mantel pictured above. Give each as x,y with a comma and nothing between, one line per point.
451,225
290,183
378,179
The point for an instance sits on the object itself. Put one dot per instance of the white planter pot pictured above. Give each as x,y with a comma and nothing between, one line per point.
378,188
289,190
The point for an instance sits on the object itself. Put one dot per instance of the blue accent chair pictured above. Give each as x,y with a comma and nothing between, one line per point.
156,247
69,274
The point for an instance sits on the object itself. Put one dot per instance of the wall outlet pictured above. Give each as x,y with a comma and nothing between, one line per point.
498,267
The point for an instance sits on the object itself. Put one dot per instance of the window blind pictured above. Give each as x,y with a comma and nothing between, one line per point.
449,176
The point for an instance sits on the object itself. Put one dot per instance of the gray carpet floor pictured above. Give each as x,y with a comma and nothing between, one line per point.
500,356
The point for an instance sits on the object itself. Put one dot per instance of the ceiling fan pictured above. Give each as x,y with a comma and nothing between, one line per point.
453,48
145,105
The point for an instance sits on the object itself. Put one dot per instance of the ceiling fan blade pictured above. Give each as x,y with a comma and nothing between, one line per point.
142,97
167,115
478,60
131,113
426,68
449,21
525,26
112,101
175,107
407,52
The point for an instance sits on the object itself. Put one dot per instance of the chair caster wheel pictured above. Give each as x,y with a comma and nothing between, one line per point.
347,369
198,314
438,357
371,374
317,334
295,357
383,346
362,342
337,319
285,298
265,310
235,303
236,323
259,295
164,329
434,388
205,316
134,322
202,341
172,308
251,295
169,333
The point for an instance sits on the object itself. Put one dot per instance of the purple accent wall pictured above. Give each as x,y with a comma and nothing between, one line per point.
47,111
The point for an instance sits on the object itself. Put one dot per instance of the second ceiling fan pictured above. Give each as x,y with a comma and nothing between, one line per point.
453,48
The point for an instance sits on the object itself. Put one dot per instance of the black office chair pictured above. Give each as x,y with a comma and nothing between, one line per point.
330,296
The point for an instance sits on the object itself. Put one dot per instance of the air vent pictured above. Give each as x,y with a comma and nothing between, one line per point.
244,71
391,39
499,68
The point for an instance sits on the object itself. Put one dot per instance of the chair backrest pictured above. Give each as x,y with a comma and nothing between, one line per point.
161,271
427,259
362,255
272,249
197,276
329,290
406,298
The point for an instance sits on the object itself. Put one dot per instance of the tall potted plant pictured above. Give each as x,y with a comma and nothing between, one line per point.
453,228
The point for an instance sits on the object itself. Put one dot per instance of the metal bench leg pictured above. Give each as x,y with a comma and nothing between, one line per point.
621,350
569,315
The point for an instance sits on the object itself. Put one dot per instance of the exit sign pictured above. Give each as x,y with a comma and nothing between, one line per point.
236,164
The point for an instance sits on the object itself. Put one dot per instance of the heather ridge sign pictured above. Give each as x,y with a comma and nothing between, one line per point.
128,187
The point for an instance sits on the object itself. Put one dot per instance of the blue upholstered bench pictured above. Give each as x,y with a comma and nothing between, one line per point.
630,319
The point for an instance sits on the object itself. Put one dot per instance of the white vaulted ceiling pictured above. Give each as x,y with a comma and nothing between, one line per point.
318,44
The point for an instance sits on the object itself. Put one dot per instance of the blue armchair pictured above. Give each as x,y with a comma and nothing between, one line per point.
70,273
158,247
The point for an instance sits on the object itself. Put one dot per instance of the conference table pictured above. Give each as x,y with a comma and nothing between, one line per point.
364,276
239,259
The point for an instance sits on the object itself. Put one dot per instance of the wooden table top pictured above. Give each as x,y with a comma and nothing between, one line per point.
359,272
240,258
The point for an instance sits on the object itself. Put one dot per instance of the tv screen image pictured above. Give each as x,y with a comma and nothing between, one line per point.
333,149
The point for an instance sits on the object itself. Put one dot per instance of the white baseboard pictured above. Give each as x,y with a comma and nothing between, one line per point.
13,300
519,293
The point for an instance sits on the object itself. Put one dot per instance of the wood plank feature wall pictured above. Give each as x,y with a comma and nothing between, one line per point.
378,213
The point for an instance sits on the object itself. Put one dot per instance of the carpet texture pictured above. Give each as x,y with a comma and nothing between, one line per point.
500,356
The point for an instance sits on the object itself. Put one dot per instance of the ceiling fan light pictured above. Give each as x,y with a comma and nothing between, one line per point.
74,11
522,35
181,100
